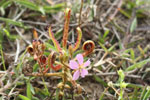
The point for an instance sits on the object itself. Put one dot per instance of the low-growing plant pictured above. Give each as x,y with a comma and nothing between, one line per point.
62,61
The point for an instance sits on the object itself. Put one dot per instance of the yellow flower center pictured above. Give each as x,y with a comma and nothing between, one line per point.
81,67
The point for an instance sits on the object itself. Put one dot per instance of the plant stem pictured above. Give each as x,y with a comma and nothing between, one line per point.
3,60
46,74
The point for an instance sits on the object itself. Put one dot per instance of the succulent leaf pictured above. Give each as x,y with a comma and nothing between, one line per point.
77,44
88,47
56,44
51,61
66,27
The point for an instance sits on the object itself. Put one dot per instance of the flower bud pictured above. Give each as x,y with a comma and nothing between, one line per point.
110,84
60,85
35,34
67,86
61,93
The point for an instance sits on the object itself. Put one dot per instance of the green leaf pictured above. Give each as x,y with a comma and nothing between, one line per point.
102,96
125,13
2,2
134,96
41,93
2,57
46,92
35,67
57,94
35,98
143,93
137,2
31,5
121,75
133,25
131,85
40,8
147,94
103,38
6,32
1,36
27,4
23,97
48,45
32,89
98,79
132,54
12,37
106,33
6,4
138,65
10,21
105,49
54,8
111,48
29,94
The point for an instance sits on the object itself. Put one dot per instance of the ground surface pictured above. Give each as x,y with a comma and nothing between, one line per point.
120,30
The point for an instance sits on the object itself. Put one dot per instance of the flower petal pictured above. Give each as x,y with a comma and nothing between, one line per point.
76,75
87,63
84,72
79,57
73,64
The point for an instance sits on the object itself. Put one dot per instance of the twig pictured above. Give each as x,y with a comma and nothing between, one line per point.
80,13
36,23
20,34
42,33
114,73
17,51
2,72
115,12
18,15
8,73
110,8
8,85
45,75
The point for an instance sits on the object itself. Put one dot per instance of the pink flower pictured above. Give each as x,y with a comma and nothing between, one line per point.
79,66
